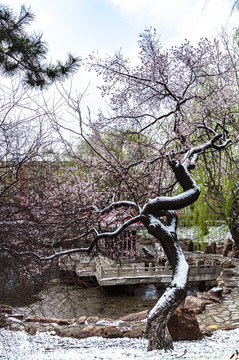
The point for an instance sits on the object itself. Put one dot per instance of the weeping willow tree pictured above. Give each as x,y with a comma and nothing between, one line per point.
218,203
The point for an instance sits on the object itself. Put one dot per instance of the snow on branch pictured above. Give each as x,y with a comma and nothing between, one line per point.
181,171
210,144
45,258
118,204
114,234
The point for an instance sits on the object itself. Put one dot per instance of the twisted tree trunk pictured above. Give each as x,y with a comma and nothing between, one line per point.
166,232
157,332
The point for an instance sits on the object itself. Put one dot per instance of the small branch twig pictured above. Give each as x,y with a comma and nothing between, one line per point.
194,152
45,258
114,234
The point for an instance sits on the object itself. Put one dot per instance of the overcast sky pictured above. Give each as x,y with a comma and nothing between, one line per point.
85,25
81,26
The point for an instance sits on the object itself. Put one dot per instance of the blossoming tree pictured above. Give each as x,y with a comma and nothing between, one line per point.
161,99
156,128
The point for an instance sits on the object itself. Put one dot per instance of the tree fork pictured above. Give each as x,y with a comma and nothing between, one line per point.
166,233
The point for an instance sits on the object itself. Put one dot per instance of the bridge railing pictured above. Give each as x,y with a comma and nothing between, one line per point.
160,271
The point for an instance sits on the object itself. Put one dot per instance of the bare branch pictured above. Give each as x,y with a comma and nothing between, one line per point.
118,204
45,258
115,233
210,144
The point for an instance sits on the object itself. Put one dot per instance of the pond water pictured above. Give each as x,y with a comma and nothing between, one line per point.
62,300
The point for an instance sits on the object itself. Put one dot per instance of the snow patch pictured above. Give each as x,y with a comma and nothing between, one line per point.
154,221
181,272
44,346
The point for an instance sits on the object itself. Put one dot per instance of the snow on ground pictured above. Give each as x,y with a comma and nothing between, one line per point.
216,233
20,345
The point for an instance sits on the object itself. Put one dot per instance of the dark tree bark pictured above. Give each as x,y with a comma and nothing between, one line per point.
234,221
234,229
166,233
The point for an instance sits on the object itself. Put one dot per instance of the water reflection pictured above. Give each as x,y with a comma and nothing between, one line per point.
148,292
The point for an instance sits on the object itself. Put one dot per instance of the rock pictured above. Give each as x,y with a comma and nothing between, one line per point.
13,319
224,280
5,309
17,326
227,273
223,277
227,284
186,244
209,329
227,327
211,248
65,321
98,331
81,320
233,254
190,245
134,333
3,321
215,292
107,332
226,290
219,249
31,330
209,296
49,320
85,332
183,325
92,320
39,319
227,247
68,331
45,327
17,316
64,332
190,260
137,316
227,264
89,331
200,262
196,304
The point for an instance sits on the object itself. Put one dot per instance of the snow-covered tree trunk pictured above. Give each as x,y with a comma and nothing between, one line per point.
234,229
166,232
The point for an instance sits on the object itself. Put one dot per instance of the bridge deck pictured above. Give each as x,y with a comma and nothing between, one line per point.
127,274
